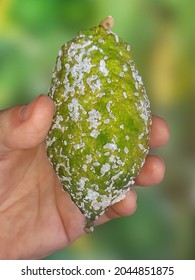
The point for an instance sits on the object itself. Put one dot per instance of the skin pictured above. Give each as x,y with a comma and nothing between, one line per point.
36,218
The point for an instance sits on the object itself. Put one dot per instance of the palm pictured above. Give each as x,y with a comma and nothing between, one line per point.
36,218
40,216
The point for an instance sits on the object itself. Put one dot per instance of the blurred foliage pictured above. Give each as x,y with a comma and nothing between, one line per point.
161,34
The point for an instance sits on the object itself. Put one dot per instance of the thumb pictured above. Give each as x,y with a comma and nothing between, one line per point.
23,127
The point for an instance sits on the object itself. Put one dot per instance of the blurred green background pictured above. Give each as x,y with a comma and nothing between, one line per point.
162,36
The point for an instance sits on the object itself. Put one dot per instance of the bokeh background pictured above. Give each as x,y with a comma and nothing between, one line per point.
162,36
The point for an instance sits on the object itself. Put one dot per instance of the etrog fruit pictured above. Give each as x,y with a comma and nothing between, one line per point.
99,138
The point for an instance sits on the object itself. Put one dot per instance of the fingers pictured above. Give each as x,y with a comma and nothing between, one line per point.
152,172
125,207
159,132
25,126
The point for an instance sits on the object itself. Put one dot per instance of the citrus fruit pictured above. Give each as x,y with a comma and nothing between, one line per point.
99,137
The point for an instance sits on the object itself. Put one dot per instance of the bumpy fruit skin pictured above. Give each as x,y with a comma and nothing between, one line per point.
99,137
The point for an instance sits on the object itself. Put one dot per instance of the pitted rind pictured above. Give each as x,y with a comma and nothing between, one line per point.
99,138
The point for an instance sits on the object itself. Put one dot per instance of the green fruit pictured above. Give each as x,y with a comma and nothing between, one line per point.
99,137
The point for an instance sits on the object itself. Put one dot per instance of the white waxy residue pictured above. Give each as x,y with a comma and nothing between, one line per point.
94,83
88,158
137,77
105,168
82,182
74,108
126,150
141,146
112,158
116,176
107,121
101,94
91,195
103,68
79,146
60,53
59,65
124,94
94,118
93,48
108,105
57,125
96,163
125,68
100,41
121,74
50,141
144,108
110,146
94,133
141,136
128,48
84,167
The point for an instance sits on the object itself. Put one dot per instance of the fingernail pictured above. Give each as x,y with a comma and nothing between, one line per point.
26,110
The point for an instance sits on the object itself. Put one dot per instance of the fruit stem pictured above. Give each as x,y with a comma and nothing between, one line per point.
89,227
107,23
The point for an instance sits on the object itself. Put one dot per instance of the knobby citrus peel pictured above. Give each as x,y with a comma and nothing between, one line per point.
99,137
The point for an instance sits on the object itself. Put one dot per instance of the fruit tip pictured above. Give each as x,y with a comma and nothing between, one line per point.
107,23
89,227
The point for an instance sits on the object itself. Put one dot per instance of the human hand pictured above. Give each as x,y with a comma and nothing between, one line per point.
36,218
